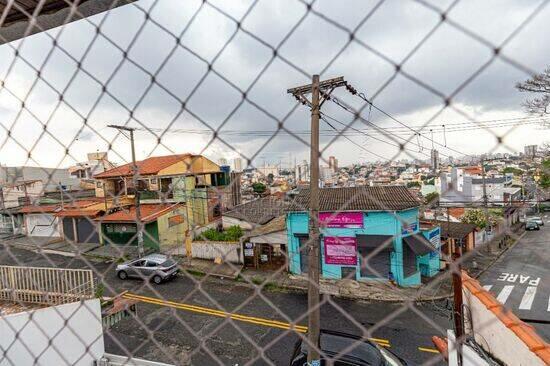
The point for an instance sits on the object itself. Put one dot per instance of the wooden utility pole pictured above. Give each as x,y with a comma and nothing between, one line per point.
454,251
313,246
135,175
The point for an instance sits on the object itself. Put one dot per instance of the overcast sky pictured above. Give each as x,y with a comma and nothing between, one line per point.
444,61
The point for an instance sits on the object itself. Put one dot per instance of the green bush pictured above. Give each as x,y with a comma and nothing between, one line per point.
233,233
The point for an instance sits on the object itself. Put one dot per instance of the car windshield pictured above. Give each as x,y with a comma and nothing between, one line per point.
168,263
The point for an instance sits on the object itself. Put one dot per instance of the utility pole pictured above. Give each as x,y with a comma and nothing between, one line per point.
135,174
313,247
485,203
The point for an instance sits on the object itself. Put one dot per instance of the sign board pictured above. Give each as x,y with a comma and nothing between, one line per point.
435,238
249,252
341,219
409,228
341,250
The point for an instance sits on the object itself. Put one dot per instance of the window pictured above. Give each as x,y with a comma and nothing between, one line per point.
139,263
151,264
98,184
154,181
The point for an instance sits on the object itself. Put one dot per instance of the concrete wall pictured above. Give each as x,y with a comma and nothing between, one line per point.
231,221
228,251
492,333
78,342
42,224
171,235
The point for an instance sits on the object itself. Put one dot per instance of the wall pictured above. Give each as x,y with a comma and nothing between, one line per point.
228,251
109,187
43,224
499,331
231,221
374,223
171,236
80,341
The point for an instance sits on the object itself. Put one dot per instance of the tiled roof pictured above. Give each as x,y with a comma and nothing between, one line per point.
275,225
39,208
378,198
149,166
149,213
259,211
457,230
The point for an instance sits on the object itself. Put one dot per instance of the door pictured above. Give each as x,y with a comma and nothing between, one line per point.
378,264
303,254
68,229
87,231
136,268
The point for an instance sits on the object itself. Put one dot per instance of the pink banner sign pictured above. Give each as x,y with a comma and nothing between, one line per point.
341,219
341,250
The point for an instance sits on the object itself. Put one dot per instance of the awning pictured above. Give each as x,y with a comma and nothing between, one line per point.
418,244
374,241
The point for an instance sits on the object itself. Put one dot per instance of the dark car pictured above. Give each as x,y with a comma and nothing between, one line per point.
153,267
346,350
531,225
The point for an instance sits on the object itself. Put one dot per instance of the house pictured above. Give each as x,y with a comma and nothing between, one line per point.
21,193
456,236
184,178
97,162
41,221
52,178
164,224
265,247
366,233
255,213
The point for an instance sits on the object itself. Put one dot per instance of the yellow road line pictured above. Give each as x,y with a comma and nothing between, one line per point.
430,350
239,317
214,312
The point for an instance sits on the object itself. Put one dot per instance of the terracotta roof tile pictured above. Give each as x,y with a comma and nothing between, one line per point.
147,166
259,211
149,213
378,198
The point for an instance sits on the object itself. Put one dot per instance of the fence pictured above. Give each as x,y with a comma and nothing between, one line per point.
410,91
45,285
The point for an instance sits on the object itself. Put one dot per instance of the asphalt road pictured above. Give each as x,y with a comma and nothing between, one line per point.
185,335
520,279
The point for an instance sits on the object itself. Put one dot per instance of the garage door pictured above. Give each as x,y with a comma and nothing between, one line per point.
68,229
42,225
87,231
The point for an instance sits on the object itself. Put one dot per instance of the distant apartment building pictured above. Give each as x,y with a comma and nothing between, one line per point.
434,160
530,151
459,187
238,165
20,193
302,172
333,164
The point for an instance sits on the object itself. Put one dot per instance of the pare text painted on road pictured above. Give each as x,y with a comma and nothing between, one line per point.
512,277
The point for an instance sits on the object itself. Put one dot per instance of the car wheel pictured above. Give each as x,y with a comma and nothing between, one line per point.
157,279
122,275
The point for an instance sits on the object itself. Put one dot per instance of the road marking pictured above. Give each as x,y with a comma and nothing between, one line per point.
243,318
487,287
504,293
430,350
528,297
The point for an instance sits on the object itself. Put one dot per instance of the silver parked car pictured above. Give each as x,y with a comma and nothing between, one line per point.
536,219
153,267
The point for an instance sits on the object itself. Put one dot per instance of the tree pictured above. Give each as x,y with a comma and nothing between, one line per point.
432,197
270,178
413,184
544,181
476,217
539,85
512,170
259,188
